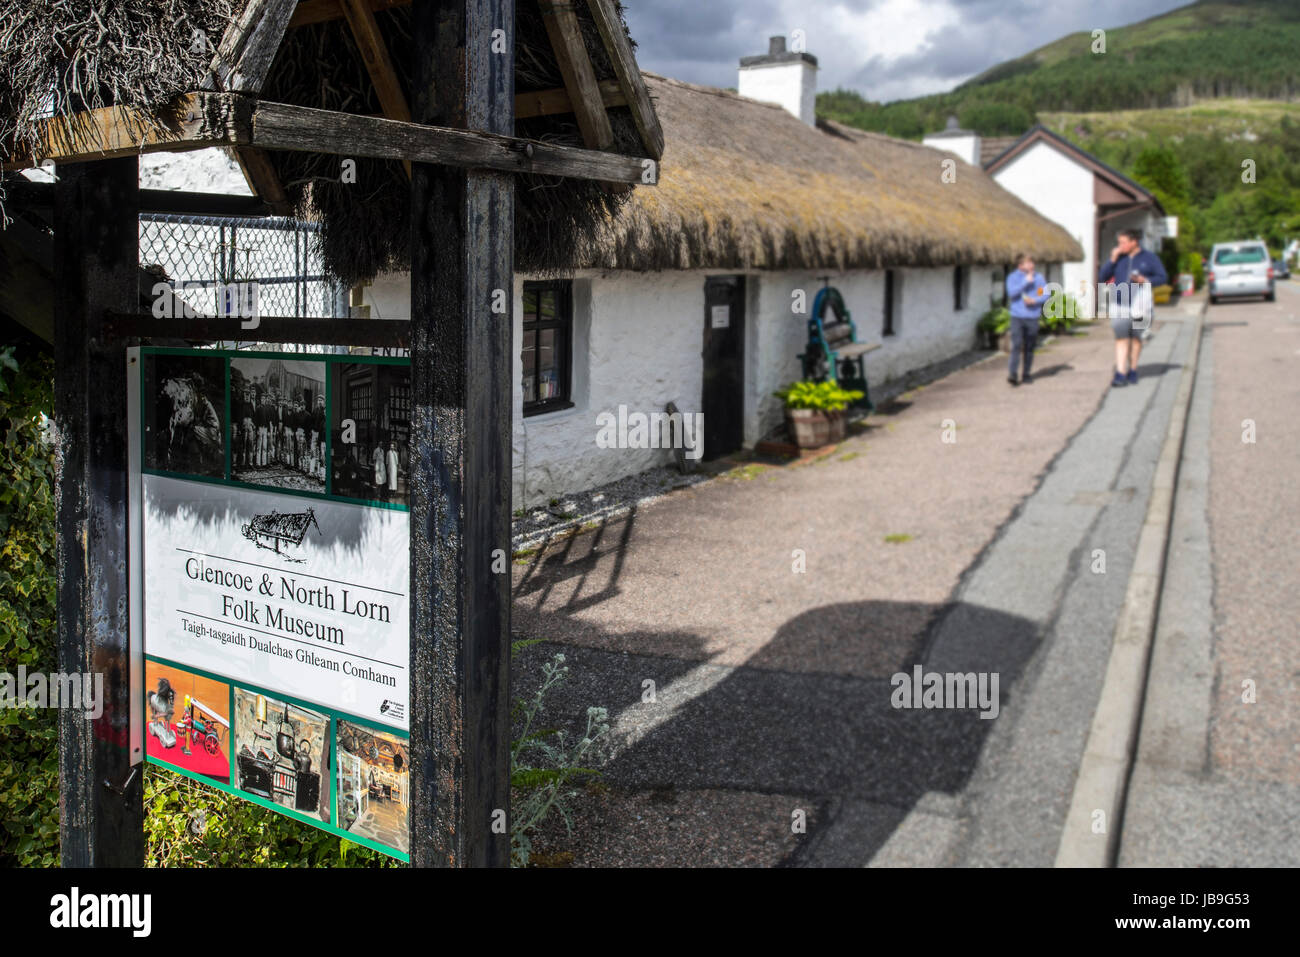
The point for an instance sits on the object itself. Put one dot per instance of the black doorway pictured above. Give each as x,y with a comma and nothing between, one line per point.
724,365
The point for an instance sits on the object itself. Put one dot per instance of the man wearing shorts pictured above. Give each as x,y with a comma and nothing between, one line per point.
1132,271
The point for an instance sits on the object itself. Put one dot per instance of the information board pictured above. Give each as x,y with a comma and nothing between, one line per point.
270,579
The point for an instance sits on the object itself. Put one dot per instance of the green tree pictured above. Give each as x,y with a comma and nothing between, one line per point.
997,119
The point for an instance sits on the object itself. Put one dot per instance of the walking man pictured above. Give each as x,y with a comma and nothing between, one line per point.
1026,291
1132,272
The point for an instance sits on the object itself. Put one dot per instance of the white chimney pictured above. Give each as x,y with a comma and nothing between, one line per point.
965,143
782,77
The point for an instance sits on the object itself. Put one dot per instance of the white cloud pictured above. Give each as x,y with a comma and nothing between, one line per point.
886,49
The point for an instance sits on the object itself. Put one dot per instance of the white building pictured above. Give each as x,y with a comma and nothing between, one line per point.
690,294
1088,199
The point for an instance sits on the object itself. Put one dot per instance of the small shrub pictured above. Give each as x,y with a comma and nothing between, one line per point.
822,396
995,322
544,763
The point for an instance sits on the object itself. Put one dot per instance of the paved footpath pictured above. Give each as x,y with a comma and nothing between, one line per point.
771,687
1217,780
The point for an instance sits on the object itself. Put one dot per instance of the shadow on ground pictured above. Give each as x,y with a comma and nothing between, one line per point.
749,744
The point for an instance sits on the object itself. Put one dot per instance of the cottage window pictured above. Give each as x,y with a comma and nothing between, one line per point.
893,297
960,288
548,338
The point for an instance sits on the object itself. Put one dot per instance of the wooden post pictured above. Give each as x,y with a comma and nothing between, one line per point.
462,263
96,237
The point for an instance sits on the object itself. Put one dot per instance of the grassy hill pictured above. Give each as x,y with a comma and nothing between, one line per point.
1211,49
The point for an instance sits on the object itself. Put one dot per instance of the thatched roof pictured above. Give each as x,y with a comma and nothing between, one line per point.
746,185
67,57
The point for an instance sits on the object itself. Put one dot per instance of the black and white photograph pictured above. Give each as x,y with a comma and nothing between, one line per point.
372,431
184,401
278,428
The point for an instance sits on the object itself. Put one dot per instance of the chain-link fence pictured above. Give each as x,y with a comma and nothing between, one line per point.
201,257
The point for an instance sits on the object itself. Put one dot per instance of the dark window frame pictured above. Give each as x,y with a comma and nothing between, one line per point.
563,326
960,288
891,303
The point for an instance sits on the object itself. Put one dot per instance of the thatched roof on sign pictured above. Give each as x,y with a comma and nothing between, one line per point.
746,185
66,57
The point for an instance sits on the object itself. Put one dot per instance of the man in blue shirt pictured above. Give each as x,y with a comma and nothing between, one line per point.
1130,311
1025,293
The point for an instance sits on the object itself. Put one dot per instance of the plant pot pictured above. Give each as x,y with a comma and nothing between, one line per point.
813,428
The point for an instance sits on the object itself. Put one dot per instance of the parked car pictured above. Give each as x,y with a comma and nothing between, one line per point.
1280,269
1240,269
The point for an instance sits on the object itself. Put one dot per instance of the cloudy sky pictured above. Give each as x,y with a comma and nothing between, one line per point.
885,49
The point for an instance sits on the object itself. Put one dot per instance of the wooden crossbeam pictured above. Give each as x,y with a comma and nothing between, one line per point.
390,334
635,94
374,53
241,65
579,78
549,102
262,178
194,121
201,120
249,45
279,126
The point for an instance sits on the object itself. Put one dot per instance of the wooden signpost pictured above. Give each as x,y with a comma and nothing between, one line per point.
462,156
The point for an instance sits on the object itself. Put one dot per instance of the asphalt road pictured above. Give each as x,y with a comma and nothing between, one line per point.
1217,779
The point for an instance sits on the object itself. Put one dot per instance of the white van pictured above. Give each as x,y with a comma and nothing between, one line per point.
1240,269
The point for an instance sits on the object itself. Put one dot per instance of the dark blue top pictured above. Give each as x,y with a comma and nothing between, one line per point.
1147,263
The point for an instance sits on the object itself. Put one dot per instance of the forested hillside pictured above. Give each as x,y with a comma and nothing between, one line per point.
1243,49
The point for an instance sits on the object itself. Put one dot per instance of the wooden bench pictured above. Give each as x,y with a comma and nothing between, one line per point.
833,351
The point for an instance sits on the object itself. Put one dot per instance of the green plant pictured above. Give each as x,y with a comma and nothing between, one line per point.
995,322
188,824
1191,262
1059,312
29,770
822,396
544,762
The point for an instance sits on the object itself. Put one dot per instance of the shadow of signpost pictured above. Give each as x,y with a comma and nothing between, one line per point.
791,721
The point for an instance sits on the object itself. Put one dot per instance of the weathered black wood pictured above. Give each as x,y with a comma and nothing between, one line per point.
96,240
462,252
26,193
229,119
250,43
189,122
280,126
571,56
385,333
